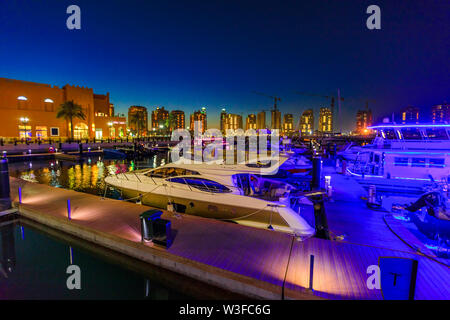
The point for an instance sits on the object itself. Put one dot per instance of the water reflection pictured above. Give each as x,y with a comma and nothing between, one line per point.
87,176
34,267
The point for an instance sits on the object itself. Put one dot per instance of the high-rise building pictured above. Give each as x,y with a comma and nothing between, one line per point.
135,113
177,120
410,114
250,122
233,122
261,120
307,122
159,118
276,119
223,115
288,124
363,120
199,115
325,120
440,113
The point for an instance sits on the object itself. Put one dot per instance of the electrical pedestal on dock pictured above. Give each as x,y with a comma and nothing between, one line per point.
155,229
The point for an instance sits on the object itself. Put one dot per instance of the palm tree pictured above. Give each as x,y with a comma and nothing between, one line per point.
138,119
69,110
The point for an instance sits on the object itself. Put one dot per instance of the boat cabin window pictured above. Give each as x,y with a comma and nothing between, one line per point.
437,163
418,162
202,184
259,164
389,134
436,134
170,172
401,162
411,134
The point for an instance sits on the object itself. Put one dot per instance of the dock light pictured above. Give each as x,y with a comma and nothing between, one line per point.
89,149
20,194
68,209
311,272
4,154
29,151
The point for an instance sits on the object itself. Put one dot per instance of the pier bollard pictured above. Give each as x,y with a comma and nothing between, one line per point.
19,191
5,200
316,173
69,209
311,271
80,148
321,223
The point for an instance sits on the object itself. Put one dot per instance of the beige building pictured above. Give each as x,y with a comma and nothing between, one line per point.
29,111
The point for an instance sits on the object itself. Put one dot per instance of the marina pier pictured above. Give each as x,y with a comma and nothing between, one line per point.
252,262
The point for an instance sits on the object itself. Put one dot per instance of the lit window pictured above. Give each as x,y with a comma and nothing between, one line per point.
48,100
22,98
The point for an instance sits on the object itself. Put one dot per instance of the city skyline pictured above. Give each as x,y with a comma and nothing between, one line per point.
200,60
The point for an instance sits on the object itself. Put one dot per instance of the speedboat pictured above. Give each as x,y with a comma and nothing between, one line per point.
404,158
239,193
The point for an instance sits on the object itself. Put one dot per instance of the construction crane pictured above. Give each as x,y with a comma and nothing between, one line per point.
275,99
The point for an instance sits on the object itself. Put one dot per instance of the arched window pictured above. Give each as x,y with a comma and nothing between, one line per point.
22,98
48,104
22,102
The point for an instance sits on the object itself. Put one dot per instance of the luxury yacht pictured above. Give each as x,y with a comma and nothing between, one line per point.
240,193
404,157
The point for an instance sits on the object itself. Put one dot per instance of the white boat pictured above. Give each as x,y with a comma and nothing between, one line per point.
237,193
404,158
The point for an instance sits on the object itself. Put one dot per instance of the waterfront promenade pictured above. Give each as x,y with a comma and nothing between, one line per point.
253,262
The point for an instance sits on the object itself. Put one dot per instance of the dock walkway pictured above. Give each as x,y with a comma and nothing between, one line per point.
253,262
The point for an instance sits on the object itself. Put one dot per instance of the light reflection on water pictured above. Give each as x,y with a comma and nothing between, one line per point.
88,176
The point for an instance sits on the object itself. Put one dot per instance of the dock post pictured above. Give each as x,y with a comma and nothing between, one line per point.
321,223
20,194
316,173
80,147
68,209
5,198
311,271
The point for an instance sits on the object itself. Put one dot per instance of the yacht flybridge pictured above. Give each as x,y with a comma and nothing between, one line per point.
409,157
240,193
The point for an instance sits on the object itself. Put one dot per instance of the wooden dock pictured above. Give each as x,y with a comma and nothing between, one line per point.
253,262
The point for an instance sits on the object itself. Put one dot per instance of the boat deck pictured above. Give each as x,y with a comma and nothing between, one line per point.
258,263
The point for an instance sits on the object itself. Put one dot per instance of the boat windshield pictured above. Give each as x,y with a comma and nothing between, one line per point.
201,184
170,172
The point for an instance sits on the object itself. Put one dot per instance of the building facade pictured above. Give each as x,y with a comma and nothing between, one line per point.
178,120
276,119
160,116
199,115
440,113
223,116
261,120
363,120
136,113
288,124
233,122
410,114
307,122
250,122
325,120
32,107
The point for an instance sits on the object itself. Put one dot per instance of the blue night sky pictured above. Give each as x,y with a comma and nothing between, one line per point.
190,54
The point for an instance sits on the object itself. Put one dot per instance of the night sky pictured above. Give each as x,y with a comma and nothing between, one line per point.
190,54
